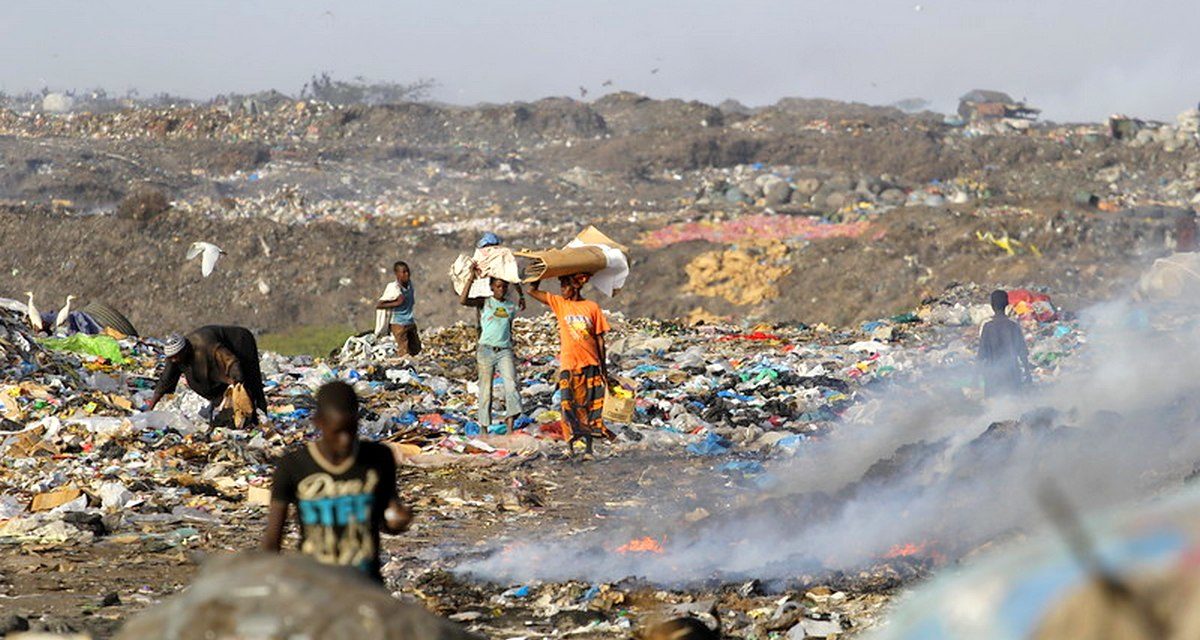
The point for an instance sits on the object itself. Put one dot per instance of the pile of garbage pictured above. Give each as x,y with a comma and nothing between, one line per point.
1184,134
290,121
82,464
74,440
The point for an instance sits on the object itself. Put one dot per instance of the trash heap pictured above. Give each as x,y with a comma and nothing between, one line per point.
74,441
82,467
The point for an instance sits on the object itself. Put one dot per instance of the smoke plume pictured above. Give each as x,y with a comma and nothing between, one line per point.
929,470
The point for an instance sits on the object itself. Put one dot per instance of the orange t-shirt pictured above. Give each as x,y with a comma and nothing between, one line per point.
579,322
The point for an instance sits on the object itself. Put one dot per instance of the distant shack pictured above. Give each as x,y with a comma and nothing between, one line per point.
982,104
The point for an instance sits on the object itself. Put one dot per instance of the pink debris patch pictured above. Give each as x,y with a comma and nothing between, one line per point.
756,227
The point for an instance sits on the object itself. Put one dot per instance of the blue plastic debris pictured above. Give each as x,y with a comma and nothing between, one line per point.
407,418
711,445
522,421
726,393
744,466
518,592
793,441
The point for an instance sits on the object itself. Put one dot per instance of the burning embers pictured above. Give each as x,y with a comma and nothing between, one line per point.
905,550
916,550
641,545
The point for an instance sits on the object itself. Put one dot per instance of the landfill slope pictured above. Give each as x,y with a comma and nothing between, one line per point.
337,193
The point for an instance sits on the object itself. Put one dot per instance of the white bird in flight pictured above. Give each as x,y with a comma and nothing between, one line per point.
64,314
210,254
35,318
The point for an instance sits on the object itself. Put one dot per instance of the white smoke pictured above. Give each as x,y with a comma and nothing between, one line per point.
1118,425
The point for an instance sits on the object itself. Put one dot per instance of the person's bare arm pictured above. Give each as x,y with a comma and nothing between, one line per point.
520,297
273,536
465,298
536,293
390,304
602,352
396,518
166,384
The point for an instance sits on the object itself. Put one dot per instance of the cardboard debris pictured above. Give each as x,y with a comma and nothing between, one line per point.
51,499
9,407
592,235
404,451
619,404
28,444
258,495
238,399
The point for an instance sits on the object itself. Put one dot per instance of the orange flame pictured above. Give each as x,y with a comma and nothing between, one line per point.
905,550
641,545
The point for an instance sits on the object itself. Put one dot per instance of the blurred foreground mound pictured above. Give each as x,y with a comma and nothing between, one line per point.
264,597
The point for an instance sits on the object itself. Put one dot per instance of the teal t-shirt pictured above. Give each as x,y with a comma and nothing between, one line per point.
495,322
403,314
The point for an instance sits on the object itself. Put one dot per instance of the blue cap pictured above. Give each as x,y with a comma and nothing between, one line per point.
489,239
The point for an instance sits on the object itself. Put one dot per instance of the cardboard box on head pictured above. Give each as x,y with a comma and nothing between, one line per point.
592,235
552,263
591,252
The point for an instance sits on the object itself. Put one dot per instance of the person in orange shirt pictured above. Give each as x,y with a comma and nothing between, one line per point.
583,378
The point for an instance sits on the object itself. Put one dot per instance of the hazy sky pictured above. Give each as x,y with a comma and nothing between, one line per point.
1077,59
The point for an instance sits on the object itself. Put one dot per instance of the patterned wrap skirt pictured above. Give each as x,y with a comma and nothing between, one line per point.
583,402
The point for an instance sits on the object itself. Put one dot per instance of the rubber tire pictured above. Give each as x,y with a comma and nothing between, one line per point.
107,316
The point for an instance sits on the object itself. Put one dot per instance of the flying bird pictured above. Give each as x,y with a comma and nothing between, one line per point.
582,91
210,252
35,318
607,83
654,71
64,313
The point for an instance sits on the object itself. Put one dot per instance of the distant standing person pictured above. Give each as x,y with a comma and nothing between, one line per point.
211,359
495,350
1003,356
583,378
1185,233
398,300
343,488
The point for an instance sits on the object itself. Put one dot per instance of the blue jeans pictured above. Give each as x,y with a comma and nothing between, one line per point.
490,359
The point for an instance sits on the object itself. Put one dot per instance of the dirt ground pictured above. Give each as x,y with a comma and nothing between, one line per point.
460,511
327,274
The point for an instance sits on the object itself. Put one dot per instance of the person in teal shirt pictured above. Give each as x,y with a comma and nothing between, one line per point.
398,301
495,351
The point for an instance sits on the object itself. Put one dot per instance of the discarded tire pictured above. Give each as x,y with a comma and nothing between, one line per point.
107,316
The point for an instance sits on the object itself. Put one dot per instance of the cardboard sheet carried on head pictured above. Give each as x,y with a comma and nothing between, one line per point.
552,263
591,252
